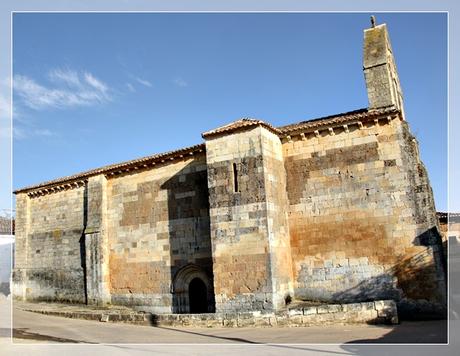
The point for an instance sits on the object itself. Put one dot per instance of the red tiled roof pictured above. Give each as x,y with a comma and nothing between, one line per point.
118,166
237,125
356,115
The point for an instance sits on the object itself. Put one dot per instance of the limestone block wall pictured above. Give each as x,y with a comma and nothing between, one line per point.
158,223
277,217
245,179
422,276
48,264
356,211
96,254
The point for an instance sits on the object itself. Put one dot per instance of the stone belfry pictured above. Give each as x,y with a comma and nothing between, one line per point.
382,81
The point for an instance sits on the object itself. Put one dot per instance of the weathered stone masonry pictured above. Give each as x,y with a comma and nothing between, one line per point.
337,209
251,248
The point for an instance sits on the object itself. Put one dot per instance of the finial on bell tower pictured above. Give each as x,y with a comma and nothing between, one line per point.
373,21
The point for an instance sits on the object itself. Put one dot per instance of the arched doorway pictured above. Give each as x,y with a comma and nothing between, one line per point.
192,291
198,296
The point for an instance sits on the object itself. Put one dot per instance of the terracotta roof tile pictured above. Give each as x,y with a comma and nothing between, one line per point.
237,125
116,167
356,115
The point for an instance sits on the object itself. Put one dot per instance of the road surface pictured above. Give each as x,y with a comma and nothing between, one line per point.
36,334
35,327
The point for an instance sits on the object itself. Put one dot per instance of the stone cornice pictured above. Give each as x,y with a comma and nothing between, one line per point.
344,120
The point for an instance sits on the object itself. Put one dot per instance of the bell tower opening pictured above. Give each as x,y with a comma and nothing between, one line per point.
198,296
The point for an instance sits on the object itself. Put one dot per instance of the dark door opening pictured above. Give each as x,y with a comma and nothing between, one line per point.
198,296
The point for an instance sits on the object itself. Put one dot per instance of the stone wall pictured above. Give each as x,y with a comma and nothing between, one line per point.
377,312
238,222
343,214
357,212
277,218
123,240
248,220
96,254
422,274
48,260
158,224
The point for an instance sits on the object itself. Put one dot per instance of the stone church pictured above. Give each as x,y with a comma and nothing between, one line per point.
334,209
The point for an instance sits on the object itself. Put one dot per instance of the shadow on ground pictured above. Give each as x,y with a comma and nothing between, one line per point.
22,333
405,333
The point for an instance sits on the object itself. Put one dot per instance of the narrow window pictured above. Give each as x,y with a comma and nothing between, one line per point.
235,178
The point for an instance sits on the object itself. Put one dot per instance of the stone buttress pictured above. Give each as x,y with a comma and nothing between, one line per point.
96,241
248,214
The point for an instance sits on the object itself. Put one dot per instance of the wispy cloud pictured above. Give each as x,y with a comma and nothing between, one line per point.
180,82
21,133
95,83
67,76
69,89
143,82
130,87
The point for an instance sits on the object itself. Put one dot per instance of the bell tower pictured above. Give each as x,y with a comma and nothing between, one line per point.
382,81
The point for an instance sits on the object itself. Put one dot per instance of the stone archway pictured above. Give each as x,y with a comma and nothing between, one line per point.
193,291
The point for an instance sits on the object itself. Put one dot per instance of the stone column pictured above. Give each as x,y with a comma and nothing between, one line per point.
96,242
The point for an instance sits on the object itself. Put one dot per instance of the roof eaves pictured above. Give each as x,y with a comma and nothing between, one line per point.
115,167
344,118
239,125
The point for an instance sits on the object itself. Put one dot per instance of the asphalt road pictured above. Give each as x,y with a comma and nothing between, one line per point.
32,326
37,333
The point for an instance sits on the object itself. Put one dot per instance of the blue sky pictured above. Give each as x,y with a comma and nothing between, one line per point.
95,89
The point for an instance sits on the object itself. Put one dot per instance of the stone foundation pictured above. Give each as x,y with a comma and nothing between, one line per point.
378,312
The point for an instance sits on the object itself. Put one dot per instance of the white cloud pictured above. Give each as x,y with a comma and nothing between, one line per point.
95,83
22,128
70,77
144,82
71,89
180,82
130,87
21,133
